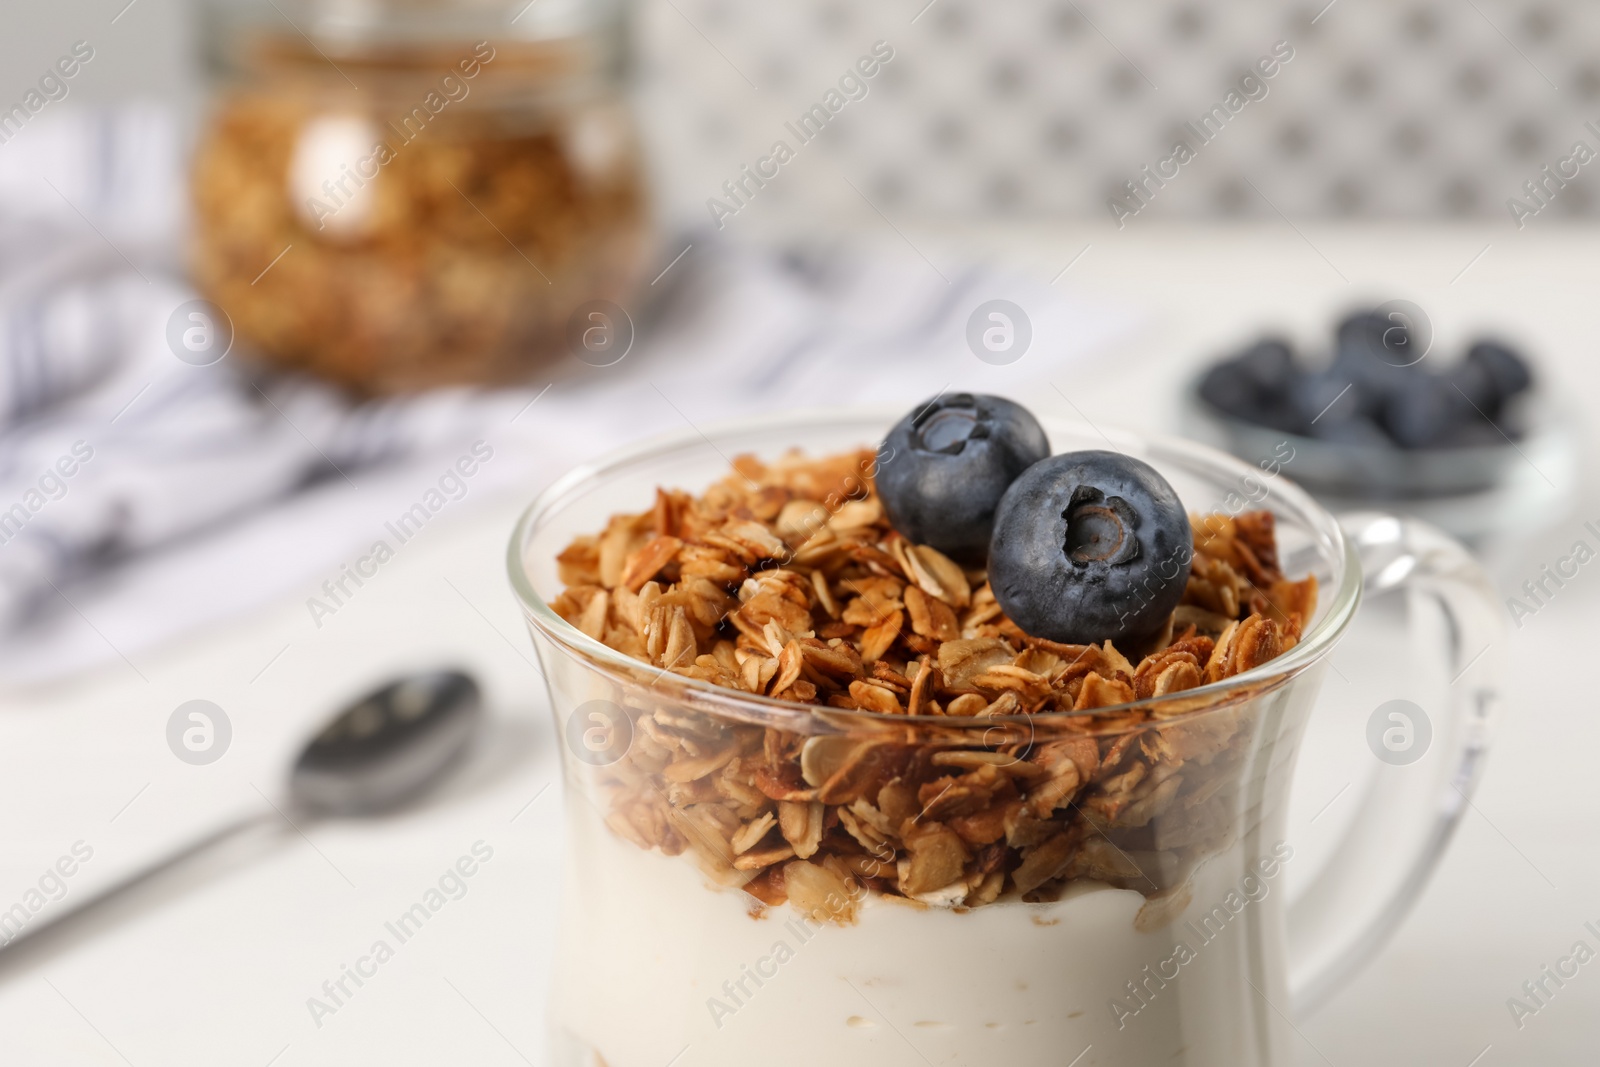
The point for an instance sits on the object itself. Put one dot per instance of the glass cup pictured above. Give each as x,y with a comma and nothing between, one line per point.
1148,920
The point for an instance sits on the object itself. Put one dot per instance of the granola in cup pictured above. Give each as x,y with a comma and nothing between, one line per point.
826,799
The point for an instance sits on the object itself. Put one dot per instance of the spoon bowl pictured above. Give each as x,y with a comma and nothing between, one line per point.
388,747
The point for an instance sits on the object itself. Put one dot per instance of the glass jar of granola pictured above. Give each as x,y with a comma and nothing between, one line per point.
400,193
826,804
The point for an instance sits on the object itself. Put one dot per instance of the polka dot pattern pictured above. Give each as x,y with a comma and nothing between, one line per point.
1039,107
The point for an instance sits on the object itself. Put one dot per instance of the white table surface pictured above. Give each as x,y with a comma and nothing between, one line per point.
215,965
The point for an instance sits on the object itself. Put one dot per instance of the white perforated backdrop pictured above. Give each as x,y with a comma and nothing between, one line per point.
1028,107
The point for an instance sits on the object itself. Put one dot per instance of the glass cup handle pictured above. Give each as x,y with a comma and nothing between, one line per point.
1412,804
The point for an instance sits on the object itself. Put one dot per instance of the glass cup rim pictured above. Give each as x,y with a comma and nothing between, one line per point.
623,669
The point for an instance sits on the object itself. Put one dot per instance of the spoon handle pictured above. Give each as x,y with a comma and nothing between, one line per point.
63,917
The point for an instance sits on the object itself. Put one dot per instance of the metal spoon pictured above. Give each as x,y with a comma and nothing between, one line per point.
373,756
385,749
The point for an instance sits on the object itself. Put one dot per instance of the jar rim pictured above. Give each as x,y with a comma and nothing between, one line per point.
624,670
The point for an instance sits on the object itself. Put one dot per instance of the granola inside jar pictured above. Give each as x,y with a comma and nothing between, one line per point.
401,194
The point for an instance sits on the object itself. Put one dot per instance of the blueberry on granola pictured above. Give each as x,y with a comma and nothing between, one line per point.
943,468
1088,547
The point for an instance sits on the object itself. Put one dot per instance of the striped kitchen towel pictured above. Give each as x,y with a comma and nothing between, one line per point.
117,456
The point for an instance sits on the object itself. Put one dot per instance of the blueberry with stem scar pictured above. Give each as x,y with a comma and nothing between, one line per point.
943,468
1088,547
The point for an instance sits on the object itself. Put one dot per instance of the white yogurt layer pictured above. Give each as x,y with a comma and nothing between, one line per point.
654,964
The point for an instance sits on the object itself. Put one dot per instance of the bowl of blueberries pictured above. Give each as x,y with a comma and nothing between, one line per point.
1385,417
